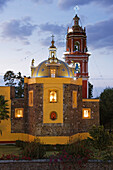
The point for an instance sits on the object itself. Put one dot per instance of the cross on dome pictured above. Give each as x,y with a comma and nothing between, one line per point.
52,42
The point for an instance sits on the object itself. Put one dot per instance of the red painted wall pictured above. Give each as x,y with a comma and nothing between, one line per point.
84,89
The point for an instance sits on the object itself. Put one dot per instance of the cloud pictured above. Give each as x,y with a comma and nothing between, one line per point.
101,34
47,42
18,29
53,29
67,4
43,1
3,3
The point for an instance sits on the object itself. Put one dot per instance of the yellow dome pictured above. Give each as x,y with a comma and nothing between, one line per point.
43,70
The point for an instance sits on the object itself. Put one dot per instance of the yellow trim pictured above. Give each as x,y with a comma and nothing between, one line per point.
62,139
45,139
49,107
90,100
78,136
53,80
31,98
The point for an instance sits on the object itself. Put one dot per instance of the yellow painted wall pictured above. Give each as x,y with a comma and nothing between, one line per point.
49,107
5,125
53,80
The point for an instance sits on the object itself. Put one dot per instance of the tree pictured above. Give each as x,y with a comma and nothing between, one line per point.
106,108
9,78
20,86
12,79
90,90
3,108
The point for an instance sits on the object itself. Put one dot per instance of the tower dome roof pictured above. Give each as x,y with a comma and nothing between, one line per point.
44,70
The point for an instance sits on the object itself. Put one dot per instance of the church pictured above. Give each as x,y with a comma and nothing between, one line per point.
55,108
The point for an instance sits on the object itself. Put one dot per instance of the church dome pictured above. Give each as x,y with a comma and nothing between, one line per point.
53,67
44,70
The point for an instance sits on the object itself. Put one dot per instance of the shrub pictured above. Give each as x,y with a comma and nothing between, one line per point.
20,143
14,157
100,138
34,149
79,148
77,154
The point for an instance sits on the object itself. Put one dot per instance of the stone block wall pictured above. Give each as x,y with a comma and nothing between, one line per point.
35,112
17,124
71,115
86,124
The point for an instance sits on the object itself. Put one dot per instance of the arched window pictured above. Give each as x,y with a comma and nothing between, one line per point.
76,46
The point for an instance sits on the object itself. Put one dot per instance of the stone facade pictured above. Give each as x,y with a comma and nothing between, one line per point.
32,121
85,125
71,115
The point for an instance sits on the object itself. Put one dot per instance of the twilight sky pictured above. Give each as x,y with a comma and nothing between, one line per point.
27,25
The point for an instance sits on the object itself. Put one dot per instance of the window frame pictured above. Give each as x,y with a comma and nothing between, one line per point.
30,97
74,100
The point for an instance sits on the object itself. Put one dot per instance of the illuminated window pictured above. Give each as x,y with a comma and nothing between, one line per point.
74,99
53,71
30,98
86,113
19,112
53,115
53,96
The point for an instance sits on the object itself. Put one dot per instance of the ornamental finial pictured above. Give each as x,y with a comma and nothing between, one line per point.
32,63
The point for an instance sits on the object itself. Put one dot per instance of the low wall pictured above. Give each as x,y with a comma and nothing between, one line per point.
45,165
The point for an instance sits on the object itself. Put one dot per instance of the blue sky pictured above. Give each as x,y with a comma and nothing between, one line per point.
27,25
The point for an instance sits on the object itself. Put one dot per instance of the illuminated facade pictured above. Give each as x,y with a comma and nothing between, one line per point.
53,108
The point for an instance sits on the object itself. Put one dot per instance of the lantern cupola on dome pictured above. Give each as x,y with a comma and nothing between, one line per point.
52,53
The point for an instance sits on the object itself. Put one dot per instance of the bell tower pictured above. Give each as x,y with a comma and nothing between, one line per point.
76,55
